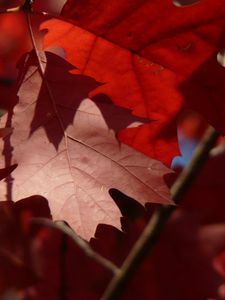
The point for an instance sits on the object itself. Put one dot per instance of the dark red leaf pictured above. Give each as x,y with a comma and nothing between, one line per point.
66,148
17,260
65,271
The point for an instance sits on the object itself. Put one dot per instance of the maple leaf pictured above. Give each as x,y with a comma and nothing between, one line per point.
65,270
155,68
17,257
66,149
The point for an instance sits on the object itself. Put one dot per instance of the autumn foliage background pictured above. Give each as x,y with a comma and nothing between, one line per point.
102,104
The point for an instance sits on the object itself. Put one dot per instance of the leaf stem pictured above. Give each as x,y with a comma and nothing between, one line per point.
152,231
42,71
60,225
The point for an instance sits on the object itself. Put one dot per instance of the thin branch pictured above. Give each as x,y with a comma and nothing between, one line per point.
156,224
189,173
60,225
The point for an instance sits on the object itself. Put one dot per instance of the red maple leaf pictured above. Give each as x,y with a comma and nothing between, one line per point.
155,58
66,148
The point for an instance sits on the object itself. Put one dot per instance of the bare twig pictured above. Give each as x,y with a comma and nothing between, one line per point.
156,224
60,225
189,173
